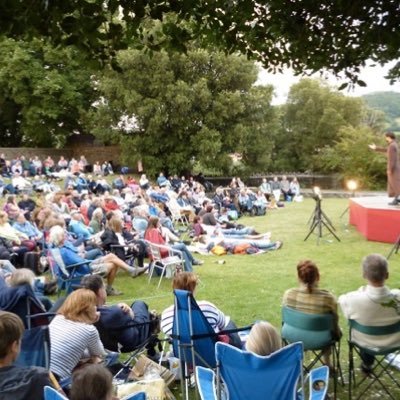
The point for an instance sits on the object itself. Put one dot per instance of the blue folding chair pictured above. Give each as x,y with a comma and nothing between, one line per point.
193,338
21,300
135,396
52,394
35,348
68,277
245,375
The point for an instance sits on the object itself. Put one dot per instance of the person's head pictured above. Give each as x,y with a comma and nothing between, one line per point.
22,276
80,306
197,220
390,136
185,281
11,199
263,339
308,274
11,330
209,208
115,224
98,214
96,285
375,269
153,222
57,235
92,382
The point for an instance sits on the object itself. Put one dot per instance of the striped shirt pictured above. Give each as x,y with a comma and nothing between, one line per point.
70,342
215,317
319,301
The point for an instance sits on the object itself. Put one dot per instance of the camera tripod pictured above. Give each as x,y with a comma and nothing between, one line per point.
395,248
319,220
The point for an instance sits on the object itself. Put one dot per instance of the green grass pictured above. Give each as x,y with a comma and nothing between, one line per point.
250,288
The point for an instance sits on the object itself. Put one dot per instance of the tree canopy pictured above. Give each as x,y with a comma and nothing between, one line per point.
306,35
185,108
312,119
43,91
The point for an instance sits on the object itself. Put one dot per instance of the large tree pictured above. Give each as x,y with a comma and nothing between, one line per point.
43,91
311,120
184,108
337,35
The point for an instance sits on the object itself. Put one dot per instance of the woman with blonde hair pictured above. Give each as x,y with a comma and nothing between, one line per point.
73,337
263,339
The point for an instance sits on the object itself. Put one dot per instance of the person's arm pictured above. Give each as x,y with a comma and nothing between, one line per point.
376,148
94,346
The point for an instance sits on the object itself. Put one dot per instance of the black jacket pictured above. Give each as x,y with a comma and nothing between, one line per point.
23,383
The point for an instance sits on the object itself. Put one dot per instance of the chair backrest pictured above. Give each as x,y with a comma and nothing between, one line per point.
57,264
52,394
22,301
155,251
193,338
374,330
250,376
135,396
35,348
314,330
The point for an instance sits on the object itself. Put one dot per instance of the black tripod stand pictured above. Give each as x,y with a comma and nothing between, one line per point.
319,220
395,248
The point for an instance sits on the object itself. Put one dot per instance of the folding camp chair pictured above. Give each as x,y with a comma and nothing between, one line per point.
52,394
245,375
316,332
21,300
136,396
168,265
35,348
177,215
67,277
382,365
193,338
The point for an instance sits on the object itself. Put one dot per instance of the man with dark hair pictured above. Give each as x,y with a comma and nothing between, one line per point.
393,167
373,305
17,382
120,325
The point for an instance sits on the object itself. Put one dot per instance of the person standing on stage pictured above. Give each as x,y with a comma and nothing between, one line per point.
393,167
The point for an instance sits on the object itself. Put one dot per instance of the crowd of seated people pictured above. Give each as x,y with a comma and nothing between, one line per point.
21,175
276,189
87,224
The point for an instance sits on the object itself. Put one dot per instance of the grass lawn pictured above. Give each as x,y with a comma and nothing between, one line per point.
250,287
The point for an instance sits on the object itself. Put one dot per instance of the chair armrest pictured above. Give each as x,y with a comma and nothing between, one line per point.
72,266
319,380
170,250
206,383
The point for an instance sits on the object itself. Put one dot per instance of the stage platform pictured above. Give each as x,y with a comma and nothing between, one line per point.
375,219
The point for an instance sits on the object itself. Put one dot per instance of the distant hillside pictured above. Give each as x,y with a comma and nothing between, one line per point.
389,103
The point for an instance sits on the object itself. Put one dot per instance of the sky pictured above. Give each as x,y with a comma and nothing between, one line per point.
373,76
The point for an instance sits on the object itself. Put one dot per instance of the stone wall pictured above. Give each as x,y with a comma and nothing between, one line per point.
92,153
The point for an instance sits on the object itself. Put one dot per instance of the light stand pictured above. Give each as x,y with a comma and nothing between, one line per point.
319,220
352,186
395,248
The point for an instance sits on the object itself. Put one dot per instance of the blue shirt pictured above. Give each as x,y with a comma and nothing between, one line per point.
27,228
